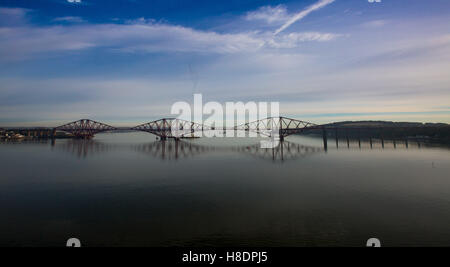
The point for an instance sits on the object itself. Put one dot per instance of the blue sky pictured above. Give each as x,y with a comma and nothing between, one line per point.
128,61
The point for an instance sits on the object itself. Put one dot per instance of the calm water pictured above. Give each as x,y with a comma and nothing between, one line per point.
129,189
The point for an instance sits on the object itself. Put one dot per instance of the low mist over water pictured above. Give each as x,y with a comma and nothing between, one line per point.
130,189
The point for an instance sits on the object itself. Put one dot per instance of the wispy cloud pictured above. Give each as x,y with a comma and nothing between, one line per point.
269,14
294,39
69,19
304,13
26,41
142,35
13,12
13,16
375,23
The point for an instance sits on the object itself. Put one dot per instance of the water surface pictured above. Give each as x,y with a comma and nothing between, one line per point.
127,189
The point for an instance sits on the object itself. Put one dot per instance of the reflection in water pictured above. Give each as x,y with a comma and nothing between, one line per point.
25,141
83,148
285,151
128,190
174,150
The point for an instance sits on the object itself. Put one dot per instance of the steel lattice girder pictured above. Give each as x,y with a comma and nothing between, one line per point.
85,128
176,128
171,128
284,126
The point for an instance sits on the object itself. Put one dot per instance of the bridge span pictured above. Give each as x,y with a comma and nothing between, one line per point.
279,127
171,128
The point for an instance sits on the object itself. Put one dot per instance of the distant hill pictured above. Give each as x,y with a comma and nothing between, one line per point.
430,132
385,124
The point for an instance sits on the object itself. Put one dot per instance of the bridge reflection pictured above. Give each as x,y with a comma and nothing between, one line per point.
285,151
178,149
175,150
169,150
82,148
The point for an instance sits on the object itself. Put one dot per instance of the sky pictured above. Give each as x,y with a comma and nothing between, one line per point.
126,62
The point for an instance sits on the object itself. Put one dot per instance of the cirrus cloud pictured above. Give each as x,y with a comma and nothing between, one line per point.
277,14
143,35
69,19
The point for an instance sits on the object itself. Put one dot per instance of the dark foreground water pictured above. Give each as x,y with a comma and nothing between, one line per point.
127,189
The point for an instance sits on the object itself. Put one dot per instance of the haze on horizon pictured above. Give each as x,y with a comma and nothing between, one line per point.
128,61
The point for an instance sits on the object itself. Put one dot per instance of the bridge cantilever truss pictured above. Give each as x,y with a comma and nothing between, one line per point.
278,125
172,128
177,128
85,128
